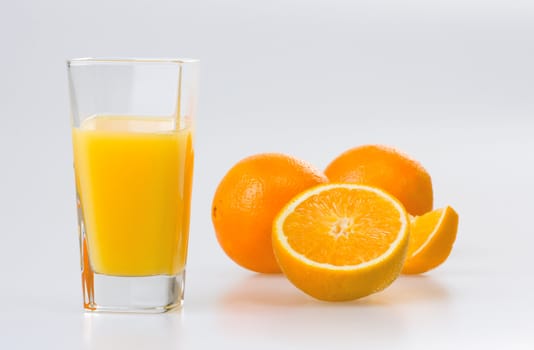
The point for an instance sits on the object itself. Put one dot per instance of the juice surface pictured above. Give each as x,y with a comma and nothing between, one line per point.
133,177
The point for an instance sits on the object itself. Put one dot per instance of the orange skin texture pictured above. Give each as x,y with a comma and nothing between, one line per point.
247,200
386,168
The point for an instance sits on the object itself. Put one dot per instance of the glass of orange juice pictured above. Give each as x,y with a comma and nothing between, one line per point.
132,135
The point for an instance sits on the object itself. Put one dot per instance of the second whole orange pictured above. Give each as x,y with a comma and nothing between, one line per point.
248,198
386,168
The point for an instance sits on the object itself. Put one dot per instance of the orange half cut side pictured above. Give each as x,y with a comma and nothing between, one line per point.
341,241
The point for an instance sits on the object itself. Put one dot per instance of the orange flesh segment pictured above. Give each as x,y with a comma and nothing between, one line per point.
422,227
341,228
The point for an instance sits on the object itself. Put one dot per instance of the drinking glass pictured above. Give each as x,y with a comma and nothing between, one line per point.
132,134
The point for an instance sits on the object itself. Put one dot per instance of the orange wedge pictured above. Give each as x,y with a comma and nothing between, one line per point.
341,242
431,241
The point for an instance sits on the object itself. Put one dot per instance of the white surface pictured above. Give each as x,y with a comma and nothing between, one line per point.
450,82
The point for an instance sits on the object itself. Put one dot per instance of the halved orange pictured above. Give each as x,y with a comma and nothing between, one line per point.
341,242
431,240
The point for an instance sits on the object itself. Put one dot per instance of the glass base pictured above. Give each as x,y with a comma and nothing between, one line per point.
149,294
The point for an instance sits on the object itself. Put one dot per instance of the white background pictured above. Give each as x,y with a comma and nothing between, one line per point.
450,82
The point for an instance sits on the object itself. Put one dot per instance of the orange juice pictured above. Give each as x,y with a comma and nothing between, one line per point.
133,177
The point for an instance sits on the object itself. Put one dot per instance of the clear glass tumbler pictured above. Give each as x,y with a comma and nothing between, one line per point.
132,134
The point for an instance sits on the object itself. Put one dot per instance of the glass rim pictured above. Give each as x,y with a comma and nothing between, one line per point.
131,60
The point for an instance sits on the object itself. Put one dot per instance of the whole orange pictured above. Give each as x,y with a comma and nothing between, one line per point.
386,168
248,198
